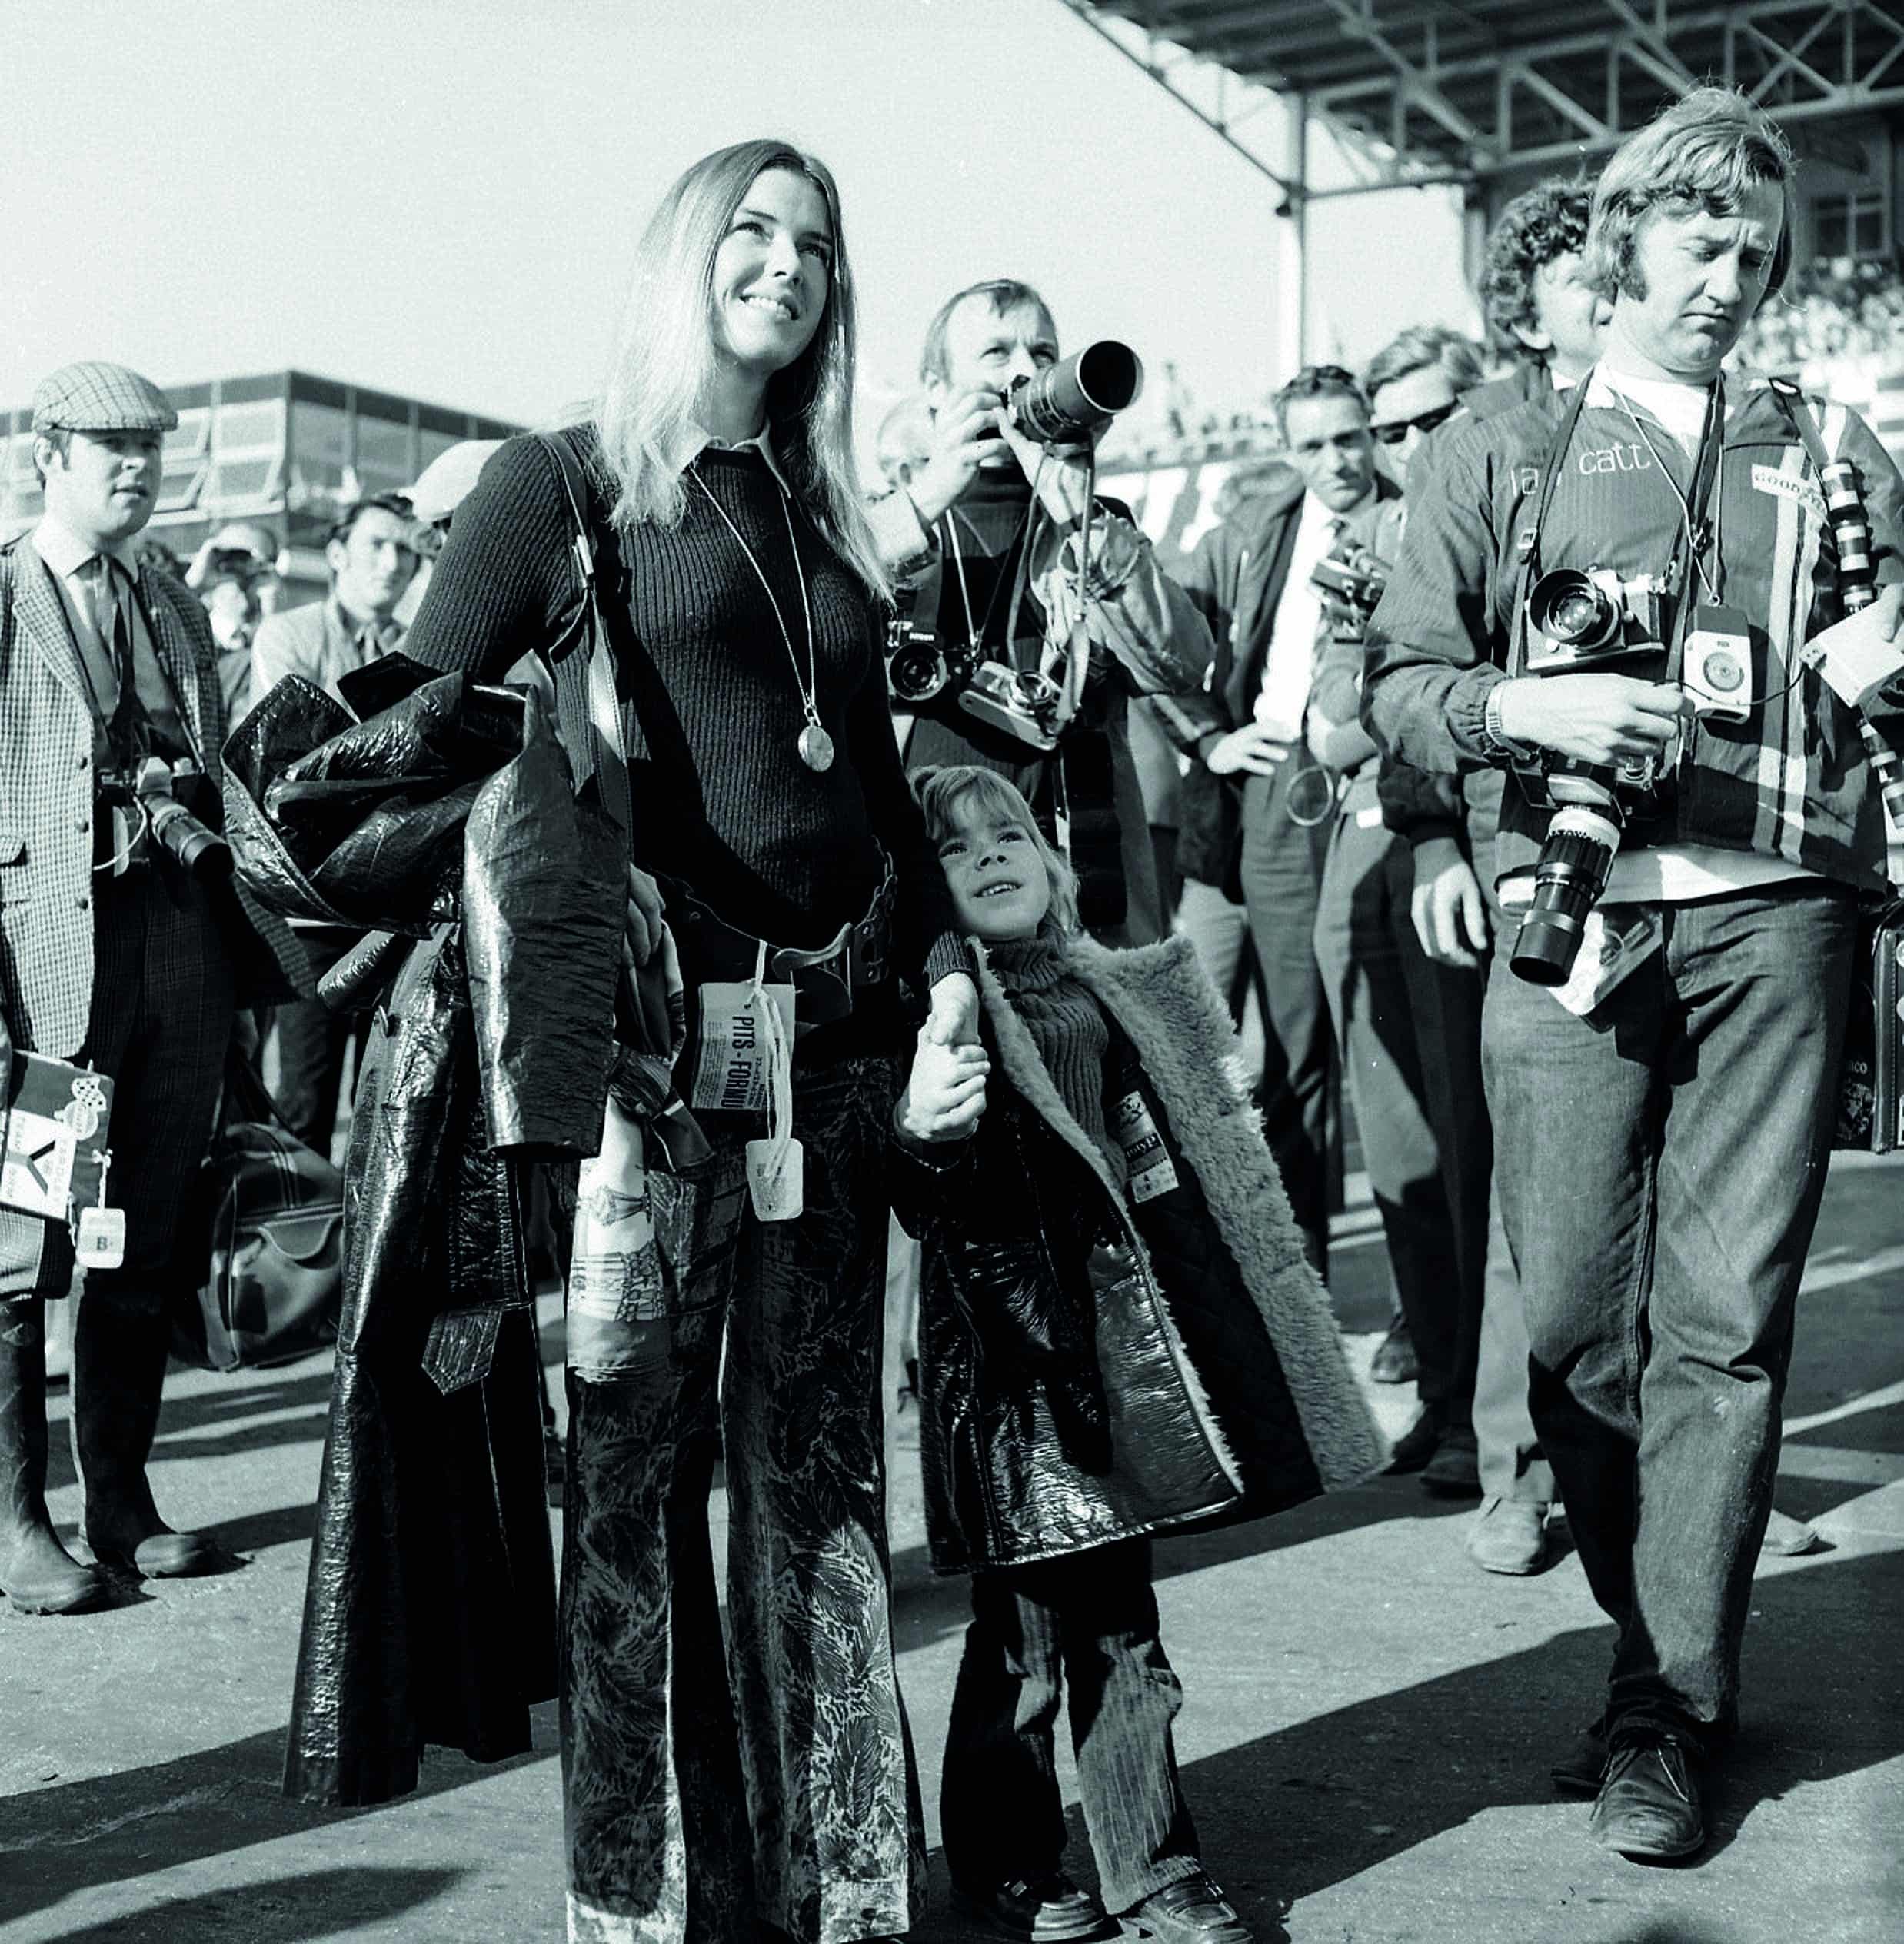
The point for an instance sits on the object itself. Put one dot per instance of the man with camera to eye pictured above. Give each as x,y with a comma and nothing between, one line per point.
1031,610
123,947
1621,606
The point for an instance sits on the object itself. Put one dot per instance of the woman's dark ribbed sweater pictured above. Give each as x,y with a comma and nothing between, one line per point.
786,852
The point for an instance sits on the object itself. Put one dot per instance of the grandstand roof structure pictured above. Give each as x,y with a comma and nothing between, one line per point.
1460,92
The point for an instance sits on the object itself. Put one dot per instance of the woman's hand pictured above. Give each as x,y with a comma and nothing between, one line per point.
1603,720
945,1093
642,939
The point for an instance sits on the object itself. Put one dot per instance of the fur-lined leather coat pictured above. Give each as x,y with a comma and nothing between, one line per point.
1097,1361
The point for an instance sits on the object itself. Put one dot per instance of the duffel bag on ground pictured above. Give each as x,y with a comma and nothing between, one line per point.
271,1211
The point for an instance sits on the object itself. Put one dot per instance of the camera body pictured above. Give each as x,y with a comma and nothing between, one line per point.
918,666
148,817
1022,703
1579,619
1350,580
920,669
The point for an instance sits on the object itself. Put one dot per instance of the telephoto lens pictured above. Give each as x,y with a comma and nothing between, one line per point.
199,849
194,847
1582,840
1067,401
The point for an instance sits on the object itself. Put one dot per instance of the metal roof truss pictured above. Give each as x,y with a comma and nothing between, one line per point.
1425,90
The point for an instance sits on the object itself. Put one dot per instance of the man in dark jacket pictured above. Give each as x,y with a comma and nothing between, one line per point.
1541,311
1257,811
1662,1124
989,568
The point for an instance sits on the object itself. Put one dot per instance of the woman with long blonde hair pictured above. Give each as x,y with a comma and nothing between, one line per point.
763,786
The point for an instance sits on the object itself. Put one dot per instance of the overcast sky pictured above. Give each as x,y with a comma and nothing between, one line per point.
440,197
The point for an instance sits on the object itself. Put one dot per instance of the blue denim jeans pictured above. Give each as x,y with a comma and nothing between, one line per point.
1660,1165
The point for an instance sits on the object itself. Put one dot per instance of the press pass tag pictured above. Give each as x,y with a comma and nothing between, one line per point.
775,1180
730,1063
100,1241
1147,1165
99,1238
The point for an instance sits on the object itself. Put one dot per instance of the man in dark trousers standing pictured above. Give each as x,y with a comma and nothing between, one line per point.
115,954
1663,1118
1257,810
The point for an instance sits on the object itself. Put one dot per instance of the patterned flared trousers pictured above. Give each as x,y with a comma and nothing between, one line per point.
705,1791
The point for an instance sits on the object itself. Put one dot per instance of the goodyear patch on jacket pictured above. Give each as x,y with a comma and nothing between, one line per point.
1789,486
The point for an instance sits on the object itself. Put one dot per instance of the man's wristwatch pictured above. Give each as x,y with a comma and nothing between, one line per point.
1495,738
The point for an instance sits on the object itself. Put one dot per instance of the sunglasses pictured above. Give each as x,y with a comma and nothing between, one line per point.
1393,431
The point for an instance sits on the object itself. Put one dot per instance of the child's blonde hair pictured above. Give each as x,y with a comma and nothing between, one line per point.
941,792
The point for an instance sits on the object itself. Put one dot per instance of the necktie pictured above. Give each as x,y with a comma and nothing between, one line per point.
372,639
127,729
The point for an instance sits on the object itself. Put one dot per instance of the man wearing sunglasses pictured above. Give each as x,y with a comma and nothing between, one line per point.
1414,384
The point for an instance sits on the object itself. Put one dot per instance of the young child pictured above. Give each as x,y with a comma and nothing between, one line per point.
1118,1333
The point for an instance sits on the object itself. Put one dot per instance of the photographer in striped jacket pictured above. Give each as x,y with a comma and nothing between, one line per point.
1613,606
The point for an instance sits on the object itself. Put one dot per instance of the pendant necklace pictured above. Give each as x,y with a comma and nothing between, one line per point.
815,746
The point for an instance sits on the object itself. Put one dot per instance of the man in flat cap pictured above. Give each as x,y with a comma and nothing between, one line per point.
116,953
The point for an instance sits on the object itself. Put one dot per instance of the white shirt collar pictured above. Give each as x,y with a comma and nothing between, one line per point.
1317,513
66,553
695,440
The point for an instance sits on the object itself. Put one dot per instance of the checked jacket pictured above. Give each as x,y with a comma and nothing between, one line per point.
46,802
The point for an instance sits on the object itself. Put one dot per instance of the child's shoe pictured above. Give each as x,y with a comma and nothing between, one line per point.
1193,1911
1041,1910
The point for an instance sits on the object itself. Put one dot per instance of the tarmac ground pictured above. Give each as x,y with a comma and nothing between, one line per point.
1365,1742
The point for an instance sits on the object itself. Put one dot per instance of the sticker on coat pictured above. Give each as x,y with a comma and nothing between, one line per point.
1148,1169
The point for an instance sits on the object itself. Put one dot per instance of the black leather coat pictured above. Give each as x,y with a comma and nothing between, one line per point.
1094,1363
430,1614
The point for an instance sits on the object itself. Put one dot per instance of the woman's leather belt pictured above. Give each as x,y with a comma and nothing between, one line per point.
826,979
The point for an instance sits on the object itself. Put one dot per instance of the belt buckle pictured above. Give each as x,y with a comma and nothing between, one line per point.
824,976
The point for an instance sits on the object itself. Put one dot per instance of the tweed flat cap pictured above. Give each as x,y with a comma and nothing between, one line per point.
97,397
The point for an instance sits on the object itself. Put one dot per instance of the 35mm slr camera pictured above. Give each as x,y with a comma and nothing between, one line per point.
1578,622
1349,581
146,805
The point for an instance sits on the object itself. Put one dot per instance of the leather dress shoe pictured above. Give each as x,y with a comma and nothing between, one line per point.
1049,1909
1193,1911
1453,1469
1415,1445
1508,1535
1649,1806
1394,1358
1582,1769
